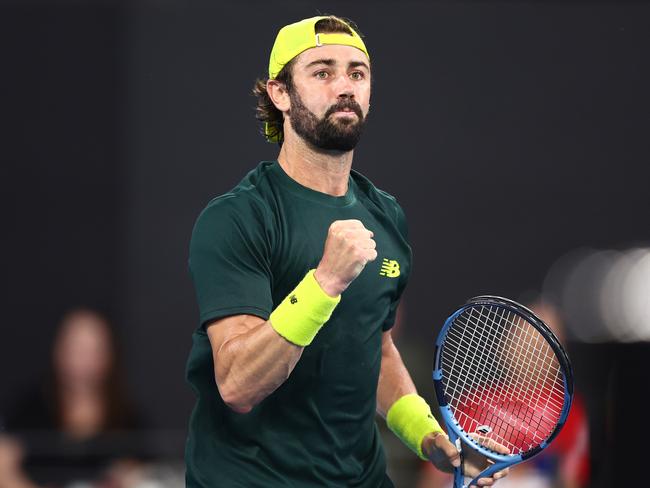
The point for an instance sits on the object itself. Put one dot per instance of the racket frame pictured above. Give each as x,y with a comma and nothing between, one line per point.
455,432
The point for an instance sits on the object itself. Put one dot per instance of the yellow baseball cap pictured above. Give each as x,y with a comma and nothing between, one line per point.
298,37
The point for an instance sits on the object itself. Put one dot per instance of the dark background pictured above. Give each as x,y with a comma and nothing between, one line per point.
510,132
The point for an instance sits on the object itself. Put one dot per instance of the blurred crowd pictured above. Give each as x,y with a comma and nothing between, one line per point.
79,428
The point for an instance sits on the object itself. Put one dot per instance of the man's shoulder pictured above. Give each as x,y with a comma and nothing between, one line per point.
248,201
377,195
382,200
251,191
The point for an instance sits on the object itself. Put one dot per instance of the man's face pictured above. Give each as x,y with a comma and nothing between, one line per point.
330,96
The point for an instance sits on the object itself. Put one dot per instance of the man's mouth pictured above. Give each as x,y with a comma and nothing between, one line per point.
346,111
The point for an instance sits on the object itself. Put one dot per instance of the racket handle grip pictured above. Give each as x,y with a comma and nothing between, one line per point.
459,479
459,476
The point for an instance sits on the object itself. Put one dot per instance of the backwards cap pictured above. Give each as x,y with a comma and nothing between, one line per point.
298,37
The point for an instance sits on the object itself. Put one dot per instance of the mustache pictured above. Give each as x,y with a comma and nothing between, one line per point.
346,103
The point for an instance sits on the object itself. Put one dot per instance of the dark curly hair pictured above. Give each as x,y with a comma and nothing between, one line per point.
266,111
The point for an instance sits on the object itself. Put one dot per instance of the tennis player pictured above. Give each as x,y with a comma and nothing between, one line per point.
298,273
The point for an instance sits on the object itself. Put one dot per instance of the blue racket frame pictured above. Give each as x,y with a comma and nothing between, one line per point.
455,432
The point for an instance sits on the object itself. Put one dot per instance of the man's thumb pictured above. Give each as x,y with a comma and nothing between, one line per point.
450,451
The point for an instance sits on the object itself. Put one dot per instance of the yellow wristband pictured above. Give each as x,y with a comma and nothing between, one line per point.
303,312
411,420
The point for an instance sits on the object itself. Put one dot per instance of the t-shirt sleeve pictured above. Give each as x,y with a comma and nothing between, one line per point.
390,319
392,313
230,259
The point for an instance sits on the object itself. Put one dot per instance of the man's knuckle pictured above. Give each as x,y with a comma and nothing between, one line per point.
348,235
336,225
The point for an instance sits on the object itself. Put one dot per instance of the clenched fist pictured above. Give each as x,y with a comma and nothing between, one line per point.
348,247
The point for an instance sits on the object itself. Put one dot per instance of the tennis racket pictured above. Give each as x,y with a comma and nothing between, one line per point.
500,375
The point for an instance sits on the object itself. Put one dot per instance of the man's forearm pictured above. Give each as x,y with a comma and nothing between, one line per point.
252,365
257,356
406,413
394,379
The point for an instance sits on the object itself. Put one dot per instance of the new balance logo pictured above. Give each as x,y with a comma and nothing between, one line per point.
389,268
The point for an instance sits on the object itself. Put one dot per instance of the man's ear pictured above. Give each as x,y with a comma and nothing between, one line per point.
278,94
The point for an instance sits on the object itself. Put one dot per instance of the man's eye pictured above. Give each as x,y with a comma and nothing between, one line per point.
321,75
356,75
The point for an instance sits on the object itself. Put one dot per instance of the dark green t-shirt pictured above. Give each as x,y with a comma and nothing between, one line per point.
249,249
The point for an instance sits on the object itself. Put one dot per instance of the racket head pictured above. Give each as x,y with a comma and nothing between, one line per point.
501,373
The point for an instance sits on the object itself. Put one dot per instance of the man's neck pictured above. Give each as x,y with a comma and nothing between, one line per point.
326,172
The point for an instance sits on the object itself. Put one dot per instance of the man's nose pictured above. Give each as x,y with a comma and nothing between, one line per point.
344,86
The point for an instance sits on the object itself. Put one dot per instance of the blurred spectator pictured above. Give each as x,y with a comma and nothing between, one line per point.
11,474
565,464
75,428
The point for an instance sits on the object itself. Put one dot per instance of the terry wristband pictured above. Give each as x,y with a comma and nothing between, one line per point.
303,312
411,420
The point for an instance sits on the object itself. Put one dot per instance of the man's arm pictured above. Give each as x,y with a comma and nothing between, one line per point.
394,379
394,383
251,356
251,360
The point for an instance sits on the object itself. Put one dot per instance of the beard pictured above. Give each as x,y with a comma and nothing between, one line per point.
342,134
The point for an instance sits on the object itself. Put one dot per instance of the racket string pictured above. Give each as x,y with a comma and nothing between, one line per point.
511,381
515,345
470,375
